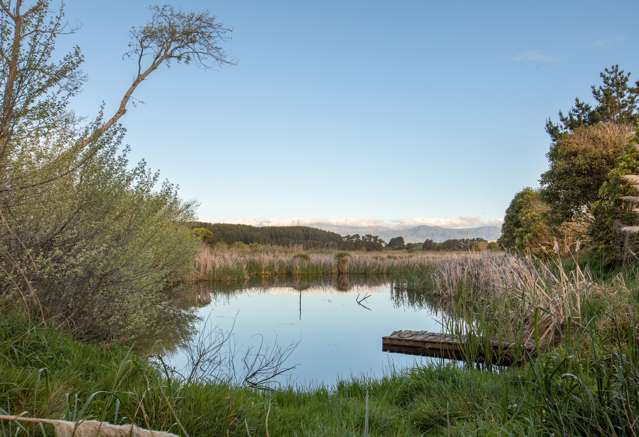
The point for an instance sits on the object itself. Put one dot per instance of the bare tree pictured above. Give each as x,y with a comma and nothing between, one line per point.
36,89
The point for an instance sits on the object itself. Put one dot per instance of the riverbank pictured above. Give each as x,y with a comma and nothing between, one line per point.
577,385
46,374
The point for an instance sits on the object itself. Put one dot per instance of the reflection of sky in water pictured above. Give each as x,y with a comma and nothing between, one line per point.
336,338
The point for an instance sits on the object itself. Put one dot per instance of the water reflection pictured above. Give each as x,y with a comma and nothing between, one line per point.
336,336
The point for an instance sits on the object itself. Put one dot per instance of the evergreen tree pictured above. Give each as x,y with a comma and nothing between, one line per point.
586,142
616,101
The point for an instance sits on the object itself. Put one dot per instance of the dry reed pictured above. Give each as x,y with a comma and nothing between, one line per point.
547,295
237,264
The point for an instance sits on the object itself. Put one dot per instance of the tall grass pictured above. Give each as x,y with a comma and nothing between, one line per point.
582,385
229,264
48,375
544,299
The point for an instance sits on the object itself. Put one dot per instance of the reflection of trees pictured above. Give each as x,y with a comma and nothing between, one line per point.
175,335
202,294
176,332
193,296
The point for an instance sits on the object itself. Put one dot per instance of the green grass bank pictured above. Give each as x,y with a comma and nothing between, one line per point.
45,373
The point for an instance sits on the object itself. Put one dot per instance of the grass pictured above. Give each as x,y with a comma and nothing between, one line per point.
240,264
582,383
47,374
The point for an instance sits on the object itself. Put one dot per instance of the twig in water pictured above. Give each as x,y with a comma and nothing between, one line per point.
360,301
262,366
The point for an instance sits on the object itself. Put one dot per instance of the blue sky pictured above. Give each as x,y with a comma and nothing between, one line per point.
359,110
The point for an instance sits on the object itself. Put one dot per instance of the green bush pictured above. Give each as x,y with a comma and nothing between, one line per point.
579,164
609,210
102,248
202,234
526,226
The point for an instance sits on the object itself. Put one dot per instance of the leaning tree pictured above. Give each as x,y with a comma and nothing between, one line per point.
36,121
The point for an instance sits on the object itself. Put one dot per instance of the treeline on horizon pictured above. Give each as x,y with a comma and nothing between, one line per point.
313,238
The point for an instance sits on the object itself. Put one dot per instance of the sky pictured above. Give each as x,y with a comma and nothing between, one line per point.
361,110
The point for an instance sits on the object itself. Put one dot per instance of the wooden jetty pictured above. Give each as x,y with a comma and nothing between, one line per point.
432,344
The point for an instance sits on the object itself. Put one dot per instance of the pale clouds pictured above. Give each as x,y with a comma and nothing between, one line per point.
535,56
608,42
458,222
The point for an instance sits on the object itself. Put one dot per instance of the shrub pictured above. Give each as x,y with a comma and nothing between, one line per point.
396,243
203,234
102,248
609,210
526,226
579,164
343,260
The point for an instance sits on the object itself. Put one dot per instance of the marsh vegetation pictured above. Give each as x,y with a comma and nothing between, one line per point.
109,288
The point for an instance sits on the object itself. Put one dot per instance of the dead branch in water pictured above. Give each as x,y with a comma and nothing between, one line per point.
360,301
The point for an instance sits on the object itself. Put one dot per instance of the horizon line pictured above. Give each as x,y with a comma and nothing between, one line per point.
449,223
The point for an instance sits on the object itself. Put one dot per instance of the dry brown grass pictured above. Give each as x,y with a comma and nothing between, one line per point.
229,263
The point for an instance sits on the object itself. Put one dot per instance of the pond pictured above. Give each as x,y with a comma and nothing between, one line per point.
328,331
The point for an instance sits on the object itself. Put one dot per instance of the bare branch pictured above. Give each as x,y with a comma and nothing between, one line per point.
170,36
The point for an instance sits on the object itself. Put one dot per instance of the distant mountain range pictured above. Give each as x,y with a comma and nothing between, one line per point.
415,234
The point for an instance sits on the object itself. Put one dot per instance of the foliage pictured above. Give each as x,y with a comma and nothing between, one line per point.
453,245
579,164
203,234
615,101
396,243
526,225
312,238
493,246
308,238
102,248
36,122
586,143
366,242
413,247
579,388
235,264
117,386
609,210
83,236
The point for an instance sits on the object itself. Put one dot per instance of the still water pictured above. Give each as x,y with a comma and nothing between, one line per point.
330,335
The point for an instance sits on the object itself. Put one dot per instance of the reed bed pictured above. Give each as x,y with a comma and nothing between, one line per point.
228,264
544,299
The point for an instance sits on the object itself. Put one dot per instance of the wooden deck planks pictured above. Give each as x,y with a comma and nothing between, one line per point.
432,344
